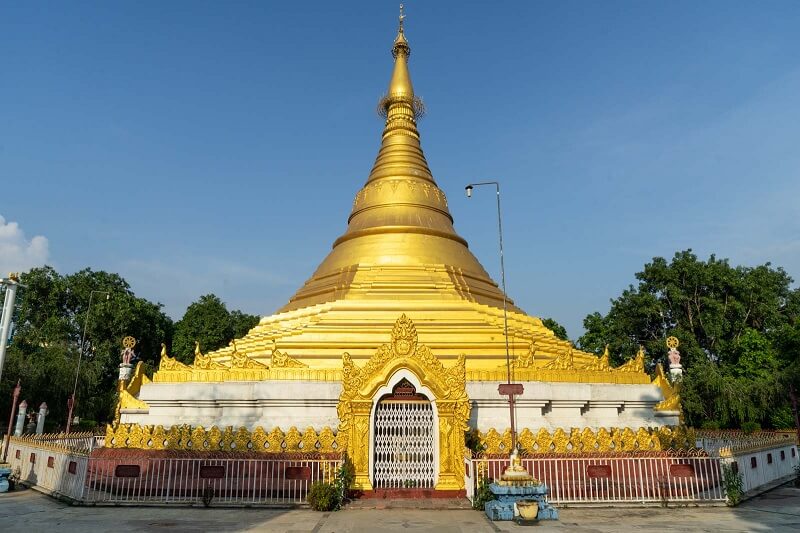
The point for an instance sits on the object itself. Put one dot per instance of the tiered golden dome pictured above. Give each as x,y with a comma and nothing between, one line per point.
401,254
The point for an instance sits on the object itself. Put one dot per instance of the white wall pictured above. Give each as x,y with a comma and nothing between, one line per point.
313,403
765,472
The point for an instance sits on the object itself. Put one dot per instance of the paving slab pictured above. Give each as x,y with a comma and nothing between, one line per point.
28,510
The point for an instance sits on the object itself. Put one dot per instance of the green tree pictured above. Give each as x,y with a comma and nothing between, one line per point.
50,316
729,321
208,322
559,330
242,323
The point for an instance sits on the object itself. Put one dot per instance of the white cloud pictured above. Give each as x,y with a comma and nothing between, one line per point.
17,254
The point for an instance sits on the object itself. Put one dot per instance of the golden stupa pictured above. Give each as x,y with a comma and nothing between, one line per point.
399,327
401,254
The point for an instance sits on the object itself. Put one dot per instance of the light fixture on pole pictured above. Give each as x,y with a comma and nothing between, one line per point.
71,400
509,389
11,284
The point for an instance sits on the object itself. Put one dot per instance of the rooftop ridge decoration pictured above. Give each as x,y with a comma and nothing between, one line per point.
635,364
672,400
225,439
282,360
170,363
587,440
204,362
242,361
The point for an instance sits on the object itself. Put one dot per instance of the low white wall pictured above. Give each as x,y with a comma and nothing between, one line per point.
313,403
48,469
566,405
769,466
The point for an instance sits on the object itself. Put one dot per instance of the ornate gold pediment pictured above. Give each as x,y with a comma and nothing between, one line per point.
446,383
360,385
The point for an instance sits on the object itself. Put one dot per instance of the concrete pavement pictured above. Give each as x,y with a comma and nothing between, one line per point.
27,510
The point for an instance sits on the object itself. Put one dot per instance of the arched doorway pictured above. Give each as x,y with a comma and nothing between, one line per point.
444,389
403,446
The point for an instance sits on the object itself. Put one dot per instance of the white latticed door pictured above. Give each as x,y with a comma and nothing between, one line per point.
404,444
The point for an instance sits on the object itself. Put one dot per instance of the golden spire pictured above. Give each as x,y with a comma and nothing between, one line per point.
400,223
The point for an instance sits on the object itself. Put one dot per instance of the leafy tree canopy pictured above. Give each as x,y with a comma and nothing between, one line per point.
50,316
738,328
208,322
49,319
559,330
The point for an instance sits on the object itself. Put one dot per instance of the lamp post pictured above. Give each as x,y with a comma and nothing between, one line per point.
71,400
11,283
510,389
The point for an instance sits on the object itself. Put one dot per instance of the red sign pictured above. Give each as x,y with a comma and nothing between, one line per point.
126,471
212,471
510,388
298,472
598,471
681,470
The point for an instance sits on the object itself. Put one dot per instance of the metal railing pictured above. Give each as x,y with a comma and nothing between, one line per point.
74,441
614,480
732,441
225,481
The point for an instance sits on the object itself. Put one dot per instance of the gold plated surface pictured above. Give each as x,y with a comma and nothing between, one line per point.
197,438
587,440
360,386
400,253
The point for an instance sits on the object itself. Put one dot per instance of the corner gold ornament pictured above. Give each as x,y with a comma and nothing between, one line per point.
282,360
128,395
634,365
672,400
204,362
448,385
170,363
241,360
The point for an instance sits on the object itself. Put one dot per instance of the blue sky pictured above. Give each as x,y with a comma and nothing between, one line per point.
199,147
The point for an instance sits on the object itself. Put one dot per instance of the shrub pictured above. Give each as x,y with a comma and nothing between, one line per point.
734,488
472,440
751,427
482,495
323,496
343,480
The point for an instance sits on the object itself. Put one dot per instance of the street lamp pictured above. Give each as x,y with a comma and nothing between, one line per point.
510,390
71,400
11,283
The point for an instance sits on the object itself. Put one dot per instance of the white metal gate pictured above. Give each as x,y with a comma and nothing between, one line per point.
404,444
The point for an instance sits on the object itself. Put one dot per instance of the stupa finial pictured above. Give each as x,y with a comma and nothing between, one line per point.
400,88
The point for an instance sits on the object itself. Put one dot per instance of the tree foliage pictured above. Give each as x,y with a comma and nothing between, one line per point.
737,327
208,322
50,316
559,330
48,324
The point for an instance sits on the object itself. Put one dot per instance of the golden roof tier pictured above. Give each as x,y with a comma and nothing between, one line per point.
400,255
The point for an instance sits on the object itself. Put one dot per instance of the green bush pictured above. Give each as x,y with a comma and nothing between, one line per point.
734,487
86,425
710,424
343,480
482,495
751,427
472,441
323,496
